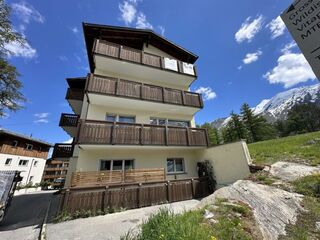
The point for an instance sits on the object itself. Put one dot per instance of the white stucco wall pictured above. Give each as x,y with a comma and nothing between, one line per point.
229,161
89,160
156,51
31,170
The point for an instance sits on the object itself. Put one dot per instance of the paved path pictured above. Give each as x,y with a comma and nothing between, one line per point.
24,217
110,226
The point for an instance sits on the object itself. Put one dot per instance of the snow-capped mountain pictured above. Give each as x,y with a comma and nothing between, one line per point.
278,106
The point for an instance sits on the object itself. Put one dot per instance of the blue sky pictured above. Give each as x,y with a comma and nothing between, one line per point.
245,53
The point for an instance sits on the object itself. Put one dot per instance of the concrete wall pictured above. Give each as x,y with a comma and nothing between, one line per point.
229,161
97,112
36,171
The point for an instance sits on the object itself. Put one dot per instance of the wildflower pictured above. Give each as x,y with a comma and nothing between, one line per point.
213,238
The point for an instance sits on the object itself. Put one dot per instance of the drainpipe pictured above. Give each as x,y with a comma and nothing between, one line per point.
29,171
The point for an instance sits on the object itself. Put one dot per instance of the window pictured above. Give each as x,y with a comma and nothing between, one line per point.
175,165
120,165
169,122
31,178
23,162
35,163
29,146
8,161
120,118
40,149
111,118
15,144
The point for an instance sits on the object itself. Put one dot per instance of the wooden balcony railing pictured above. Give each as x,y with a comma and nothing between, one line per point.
75,94
136,90
140,57
69,120
62,150
82,179
102,132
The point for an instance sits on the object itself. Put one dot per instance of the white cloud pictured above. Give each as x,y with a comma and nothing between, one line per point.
41,115
207,93
75,30
63,58
142,22
128,11
162,29
249,29
252,57
288,47
292,68
16,49
26,12
41,120
276,27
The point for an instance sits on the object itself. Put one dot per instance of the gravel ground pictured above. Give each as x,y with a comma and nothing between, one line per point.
110,226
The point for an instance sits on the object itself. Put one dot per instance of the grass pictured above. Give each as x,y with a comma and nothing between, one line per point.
231,221
308,185
303,147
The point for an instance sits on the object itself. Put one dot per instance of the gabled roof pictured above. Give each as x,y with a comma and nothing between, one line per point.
134,38
7,132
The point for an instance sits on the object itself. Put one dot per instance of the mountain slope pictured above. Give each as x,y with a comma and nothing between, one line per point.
278,106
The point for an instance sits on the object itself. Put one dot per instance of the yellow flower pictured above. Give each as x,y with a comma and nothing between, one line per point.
213,238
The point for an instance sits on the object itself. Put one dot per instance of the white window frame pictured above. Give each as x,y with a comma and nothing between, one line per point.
111,164
29,147
15,143
8,164
22,164
174,166
117,116
167,121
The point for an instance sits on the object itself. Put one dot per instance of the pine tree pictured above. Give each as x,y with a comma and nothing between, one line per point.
212,133
237,128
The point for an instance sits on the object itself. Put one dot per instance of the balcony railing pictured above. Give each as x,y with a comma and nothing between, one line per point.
69,120
62,150
75,94
102,132
136,90
140,57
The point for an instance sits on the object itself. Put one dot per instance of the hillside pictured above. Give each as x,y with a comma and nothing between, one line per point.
278,106
298,148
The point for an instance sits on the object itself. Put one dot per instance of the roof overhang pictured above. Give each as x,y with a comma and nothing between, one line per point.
134,38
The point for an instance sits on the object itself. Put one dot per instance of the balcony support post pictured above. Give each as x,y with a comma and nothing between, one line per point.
183,98
166,136
188,137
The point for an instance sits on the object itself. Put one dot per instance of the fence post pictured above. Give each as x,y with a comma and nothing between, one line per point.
168,192
192,188
105,199
139,195
66,199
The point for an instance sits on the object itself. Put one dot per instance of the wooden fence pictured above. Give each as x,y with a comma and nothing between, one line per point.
133,195
102,178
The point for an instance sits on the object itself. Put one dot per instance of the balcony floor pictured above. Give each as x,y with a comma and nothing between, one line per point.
136,147
141,105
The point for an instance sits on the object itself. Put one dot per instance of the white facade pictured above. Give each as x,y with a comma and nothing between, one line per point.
31,171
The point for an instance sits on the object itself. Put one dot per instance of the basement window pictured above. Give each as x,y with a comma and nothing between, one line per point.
175,165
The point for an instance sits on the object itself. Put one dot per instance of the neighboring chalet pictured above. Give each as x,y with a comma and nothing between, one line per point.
23,153
55,172
135,112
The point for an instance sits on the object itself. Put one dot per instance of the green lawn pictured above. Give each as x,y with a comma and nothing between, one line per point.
304,147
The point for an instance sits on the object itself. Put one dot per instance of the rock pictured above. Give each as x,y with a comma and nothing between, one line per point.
208,214
266,168
288,171
273,208
318,226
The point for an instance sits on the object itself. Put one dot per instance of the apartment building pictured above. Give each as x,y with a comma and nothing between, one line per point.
55,172
24,154
134,110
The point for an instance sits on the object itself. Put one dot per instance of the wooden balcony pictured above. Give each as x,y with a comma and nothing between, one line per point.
132,55
62,150
109,133
136,90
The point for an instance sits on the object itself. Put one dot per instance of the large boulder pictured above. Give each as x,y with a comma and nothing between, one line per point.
273,208
289,171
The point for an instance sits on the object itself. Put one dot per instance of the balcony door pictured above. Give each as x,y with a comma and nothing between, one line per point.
116,165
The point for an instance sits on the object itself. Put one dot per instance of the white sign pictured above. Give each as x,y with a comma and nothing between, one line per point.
171,64
302,19
188,68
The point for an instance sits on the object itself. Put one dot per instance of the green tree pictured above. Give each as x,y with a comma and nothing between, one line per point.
257,127
237,127
303,118
10,95
212,133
